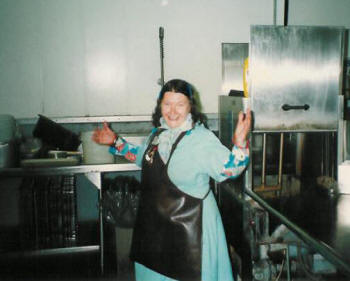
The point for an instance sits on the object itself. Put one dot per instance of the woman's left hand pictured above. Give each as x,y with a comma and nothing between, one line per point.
242,128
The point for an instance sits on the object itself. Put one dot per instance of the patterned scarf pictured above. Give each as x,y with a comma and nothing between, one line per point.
169,136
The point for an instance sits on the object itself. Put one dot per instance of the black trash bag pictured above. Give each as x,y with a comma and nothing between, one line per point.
120,200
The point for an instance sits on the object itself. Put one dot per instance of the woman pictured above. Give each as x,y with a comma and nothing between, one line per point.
178,233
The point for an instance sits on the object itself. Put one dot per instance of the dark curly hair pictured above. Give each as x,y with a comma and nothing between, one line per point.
183,87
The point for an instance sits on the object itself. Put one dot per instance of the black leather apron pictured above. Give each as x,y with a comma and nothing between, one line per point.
167,236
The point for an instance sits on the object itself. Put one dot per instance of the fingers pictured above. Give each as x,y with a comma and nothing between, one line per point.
243,116
104,135
99,134
244,120
242,128
248,114
105,126
248,119
240,116
96,135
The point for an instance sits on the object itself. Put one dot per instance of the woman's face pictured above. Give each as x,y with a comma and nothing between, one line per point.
175,108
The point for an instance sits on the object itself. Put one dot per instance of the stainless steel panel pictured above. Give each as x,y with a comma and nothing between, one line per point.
297,66
229,107
233,56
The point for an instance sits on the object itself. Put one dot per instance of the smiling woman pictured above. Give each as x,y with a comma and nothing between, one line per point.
178,233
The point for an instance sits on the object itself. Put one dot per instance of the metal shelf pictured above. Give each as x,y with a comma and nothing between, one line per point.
93,173
90,119
68,170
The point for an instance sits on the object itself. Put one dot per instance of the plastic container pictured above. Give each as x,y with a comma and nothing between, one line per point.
8,157
94,153
7,128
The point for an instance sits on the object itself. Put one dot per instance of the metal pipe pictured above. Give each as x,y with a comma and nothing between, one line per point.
288,262
280,164
161,38
274,12
333,156
99,183
299,153
323,249
263,168
286,8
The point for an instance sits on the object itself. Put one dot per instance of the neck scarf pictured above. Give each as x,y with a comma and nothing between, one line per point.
169,136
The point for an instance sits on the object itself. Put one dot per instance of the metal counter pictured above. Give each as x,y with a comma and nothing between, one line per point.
69,170
321,220
93,173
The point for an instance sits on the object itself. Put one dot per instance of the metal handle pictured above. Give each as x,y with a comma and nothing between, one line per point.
287,107
161,46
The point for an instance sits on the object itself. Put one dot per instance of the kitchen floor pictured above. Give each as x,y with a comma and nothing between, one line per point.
89,271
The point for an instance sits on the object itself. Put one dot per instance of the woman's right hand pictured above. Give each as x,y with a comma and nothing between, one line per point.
104,135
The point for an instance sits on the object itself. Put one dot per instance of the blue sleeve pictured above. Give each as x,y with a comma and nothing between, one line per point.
218,161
